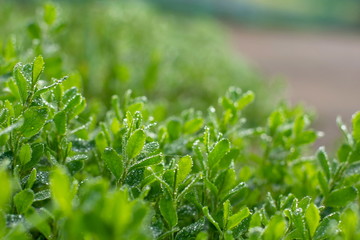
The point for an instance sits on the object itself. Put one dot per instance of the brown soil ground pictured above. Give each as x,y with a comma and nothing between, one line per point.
322,70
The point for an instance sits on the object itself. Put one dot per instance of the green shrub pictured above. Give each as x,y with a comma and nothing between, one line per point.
77,169
198,175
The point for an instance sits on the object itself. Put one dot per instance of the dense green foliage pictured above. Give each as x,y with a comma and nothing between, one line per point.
72,170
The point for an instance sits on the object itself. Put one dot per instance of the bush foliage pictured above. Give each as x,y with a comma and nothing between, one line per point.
71,170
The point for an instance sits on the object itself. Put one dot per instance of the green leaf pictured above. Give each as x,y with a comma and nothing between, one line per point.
353,169
75,166
40,220
191,231
349,223
341,197
324,162
60,122
34,120
256,220
21,83
209,185
299,223
184,168
343,152
135,143
275,228
312,217
23,200
114,162
42,195
236,219
245,100
61,190
25,154
5,188
48,88
218,152
37,153
355,153
115,103
38,68
324,185
327,228
49,13
239,192
174,129
101,142
356,126
193,125
227,212
32,178
299,125
276,119
168,211
211,219
77,109
149,161
34,30
73,102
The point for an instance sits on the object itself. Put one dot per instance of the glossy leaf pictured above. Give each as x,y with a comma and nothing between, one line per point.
38,68
114,162
168,211
6,188
135,143
21,83
312,216
174,129
23,200
211,219
34,120
184,168
236,219
218,152
193,125
25,154
32,178
341,197
245,100
356,126
152,160
275,228
60,121
324,162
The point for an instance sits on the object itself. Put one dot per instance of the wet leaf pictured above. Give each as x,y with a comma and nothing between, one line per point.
135,143
38,68
21,83
184,168
341,197
152,160
34,120
168,211
218,152
237,218
312,216
114,162
25,154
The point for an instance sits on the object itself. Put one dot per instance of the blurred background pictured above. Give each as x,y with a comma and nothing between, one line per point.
186,53
312,46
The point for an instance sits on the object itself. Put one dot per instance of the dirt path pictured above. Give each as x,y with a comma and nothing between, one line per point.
322,70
